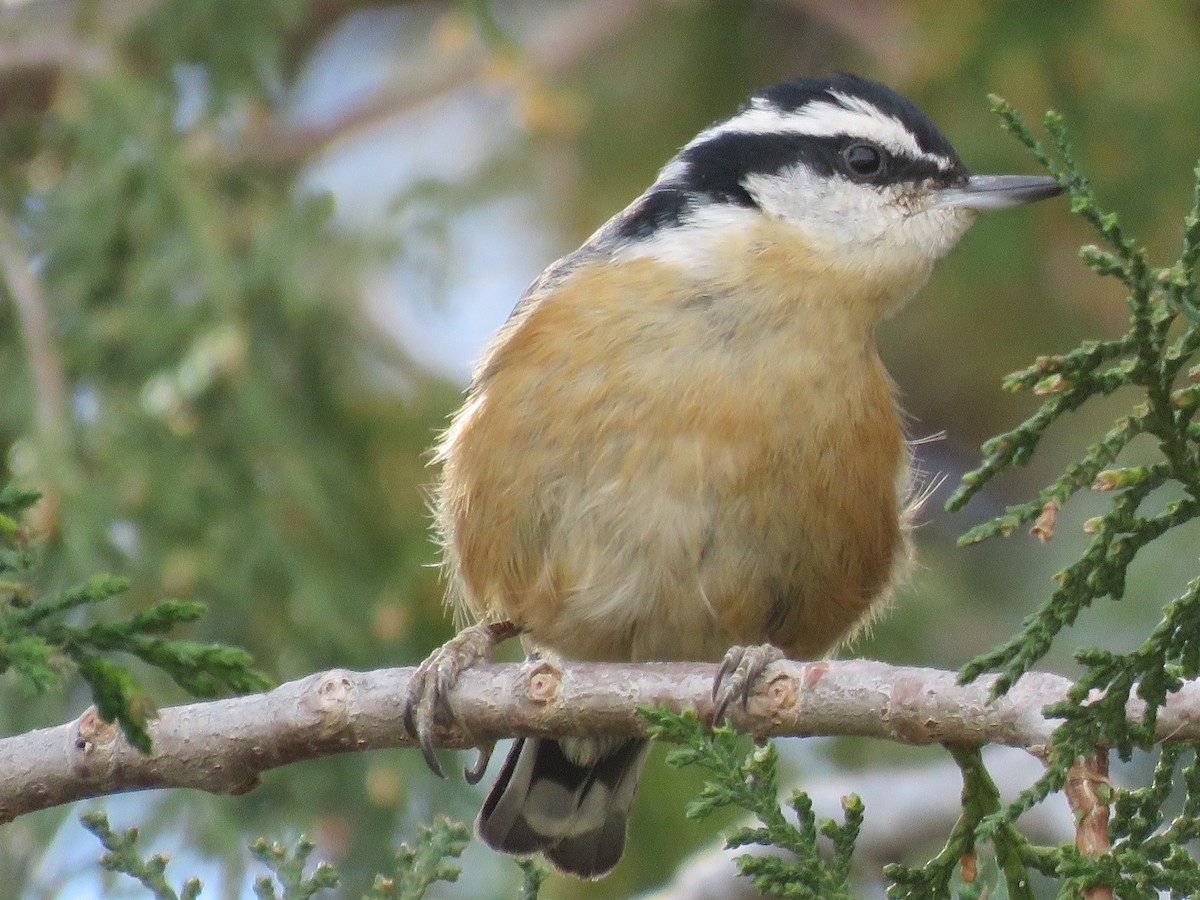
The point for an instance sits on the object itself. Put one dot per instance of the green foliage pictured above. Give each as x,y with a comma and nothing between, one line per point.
1150,358
251,49
1148,843
1154,360
207,320
416,868
749,782
288,869
38,639
980,798
226,425
1149,852
532,876
122,856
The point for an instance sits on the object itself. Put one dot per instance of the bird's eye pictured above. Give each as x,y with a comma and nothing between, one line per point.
864,160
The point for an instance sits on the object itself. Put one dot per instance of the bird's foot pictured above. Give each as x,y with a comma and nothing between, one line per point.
740,670
430,687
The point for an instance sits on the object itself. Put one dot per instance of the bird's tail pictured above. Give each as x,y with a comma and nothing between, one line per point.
568,800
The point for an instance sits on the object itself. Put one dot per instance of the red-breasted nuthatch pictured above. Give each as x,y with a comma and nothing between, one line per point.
683,440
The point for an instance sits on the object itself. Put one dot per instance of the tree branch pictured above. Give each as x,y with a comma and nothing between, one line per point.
46,373
45,362
1088,791
224,746
556,45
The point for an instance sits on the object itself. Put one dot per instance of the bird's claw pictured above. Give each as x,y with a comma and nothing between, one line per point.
424,700
429,690
740,670
474,772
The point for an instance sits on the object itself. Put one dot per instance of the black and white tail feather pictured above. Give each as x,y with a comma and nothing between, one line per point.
568,800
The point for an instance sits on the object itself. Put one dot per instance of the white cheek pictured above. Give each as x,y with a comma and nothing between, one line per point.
835,212
865,228
937,230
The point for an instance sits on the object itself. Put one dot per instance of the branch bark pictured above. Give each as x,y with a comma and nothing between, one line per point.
1088,790
224,746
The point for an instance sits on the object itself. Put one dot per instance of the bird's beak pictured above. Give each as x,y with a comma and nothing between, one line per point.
997,192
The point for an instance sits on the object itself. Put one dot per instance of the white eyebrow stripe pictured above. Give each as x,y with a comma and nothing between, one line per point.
850,116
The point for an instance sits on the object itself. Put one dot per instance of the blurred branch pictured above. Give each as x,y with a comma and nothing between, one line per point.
107,16
45,362
224,746
566,38
46,373
58,51
43,37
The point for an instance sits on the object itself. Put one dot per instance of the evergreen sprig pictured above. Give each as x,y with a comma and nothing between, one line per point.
39,637
288,868
416,868
1150,358
807,870
1154,358
980,798
1149,856
420,867
532,876
1148,853
123,857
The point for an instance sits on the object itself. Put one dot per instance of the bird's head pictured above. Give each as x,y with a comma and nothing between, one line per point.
855,171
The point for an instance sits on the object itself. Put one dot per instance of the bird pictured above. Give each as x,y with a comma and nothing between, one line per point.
683,443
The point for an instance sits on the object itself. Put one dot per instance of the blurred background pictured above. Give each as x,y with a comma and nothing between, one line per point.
251,250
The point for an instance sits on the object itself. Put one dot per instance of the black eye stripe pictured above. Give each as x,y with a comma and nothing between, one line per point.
716,171
717,168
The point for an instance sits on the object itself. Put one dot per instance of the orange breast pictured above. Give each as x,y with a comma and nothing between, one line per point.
651,471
